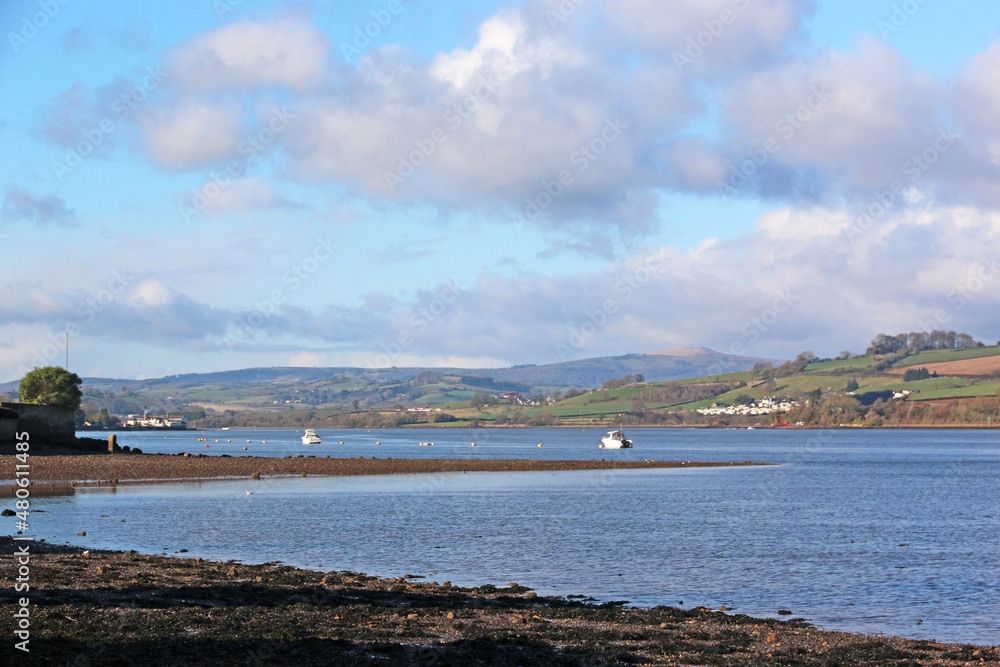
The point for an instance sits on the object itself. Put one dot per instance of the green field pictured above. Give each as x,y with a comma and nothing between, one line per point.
973,391
859,364
935,356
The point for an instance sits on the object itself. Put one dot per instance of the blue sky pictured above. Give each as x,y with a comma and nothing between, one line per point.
218,184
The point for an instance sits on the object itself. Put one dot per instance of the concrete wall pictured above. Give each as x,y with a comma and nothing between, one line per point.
44,424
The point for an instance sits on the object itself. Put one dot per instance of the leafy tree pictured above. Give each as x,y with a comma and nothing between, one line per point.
480,400
852,385
743,399
913,374
51,385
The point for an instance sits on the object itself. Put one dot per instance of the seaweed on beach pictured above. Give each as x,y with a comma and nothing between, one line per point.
94,607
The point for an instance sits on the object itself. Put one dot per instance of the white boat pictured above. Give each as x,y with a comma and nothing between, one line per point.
616,440
310,437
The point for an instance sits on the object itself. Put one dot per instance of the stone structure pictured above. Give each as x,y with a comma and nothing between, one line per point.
44,424
8,425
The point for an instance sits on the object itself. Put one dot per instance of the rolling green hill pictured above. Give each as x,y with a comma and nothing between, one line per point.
350,389
820,390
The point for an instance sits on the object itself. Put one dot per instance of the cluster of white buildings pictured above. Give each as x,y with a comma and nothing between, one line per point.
143,421
764,406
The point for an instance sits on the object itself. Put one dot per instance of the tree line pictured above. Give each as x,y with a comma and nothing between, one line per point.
917,341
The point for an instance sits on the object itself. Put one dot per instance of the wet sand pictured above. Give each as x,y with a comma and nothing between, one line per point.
114,608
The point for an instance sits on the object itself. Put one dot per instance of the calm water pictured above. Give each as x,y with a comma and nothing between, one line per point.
873,531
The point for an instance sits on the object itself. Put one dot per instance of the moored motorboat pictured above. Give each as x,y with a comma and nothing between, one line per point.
310,437
616,440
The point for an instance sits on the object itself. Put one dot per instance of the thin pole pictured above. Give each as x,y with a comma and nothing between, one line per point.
67,350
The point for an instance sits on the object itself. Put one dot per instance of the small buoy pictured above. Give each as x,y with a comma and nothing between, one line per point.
216,439
601,446
230,441
341,442
473,444
539,444
244,449
378,443
248,441
265,442
206,445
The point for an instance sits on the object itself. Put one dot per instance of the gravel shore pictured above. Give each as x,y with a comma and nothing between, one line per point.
114,608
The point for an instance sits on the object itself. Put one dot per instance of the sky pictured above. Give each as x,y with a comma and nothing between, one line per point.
207,185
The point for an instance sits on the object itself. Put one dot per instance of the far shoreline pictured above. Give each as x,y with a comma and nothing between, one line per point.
446,426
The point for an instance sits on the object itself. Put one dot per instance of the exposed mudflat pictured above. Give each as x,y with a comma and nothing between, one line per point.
131,467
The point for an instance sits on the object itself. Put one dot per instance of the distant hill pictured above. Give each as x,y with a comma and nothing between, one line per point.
285,387
656,367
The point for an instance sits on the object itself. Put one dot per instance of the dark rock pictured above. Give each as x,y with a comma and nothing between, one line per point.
8,513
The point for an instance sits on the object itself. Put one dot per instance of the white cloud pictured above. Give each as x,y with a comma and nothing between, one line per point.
805,278
496,124
709,37
307,360
20,205
151,293
240,195
288,52
193,133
